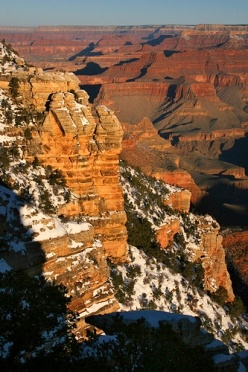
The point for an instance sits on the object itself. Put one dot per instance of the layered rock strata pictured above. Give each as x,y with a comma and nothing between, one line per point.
143,147
212,255
64,252
85,144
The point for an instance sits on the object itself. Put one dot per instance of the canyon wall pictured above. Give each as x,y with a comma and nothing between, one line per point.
85,145
71,246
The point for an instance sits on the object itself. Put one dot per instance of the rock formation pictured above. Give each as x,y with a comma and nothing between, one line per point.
64,252
85,146
165,234
179,200
191,82
212,255
84,142
143,147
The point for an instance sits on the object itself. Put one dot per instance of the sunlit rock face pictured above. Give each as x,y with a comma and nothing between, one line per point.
212,255
84,143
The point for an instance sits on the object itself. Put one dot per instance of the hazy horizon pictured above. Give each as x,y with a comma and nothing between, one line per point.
24,13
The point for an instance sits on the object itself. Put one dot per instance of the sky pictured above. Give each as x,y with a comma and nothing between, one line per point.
125,12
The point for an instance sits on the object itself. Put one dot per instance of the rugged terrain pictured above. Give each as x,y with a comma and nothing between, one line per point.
62,204
190,81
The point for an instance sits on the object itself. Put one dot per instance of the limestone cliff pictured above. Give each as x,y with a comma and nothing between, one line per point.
64,252
71,245
212,255
143,147
85,144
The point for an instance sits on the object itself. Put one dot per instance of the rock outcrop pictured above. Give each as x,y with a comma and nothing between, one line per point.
64,252
208,250
72,245
212,255
85,145
179,200
191,82
165,234
143,147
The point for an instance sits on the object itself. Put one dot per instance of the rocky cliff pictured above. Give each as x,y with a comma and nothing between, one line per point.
85,146
143,147
66,241
81,144
190,81
64,252
180,233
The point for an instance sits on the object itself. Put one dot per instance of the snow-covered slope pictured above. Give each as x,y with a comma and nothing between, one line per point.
148,282
145,283
169,281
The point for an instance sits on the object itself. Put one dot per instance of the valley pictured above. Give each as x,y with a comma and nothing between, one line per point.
189,81
124,174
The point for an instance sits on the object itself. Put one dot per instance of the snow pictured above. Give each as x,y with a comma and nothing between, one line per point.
75,245
242,368
105,108
2,210
95,308
4,266
84,121
5,138
50,255
41,230
221,358
76,228
214,345
4,351
17,246
153,317
176,295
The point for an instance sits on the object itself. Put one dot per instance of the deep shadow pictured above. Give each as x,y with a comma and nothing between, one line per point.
151,36
172,91
238,154
169,53
158,40
143,72
86,52
29,255
33,311
240,288
126,61
91,68
92,91
222,195
170,108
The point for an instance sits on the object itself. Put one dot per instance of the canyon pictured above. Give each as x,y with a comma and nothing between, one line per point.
84,142
189,81
183,131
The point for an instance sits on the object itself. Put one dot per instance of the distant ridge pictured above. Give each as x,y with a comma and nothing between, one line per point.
121,28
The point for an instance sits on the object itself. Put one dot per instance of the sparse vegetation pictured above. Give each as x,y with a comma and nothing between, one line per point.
35,323
138,347
14,87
